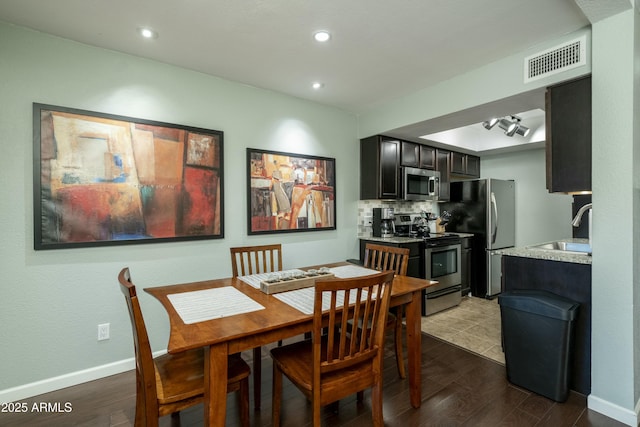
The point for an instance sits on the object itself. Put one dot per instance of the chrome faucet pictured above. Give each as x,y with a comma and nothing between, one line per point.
578,218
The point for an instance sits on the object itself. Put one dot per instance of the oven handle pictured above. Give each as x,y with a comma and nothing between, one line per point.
443,292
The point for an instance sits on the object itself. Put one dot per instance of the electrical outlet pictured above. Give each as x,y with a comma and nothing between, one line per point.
103,331
367,221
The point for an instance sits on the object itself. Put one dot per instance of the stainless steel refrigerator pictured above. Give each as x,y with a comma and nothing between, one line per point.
486,208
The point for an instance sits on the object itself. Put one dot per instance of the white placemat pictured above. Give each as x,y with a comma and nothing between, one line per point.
348,271
302,299
207,304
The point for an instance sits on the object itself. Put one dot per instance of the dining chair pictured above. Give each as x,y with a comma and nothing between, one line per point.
172,382
383,257
247,260
335,364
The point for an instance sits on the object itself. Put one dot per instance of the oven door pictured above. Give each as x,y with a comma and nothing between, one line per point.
443,263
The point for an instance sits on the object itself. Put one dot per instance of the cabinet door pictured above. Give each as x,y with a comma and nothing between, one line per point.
568,136
379,168
473,166
389,184
444,167
427,157
410,154
458,163
466,273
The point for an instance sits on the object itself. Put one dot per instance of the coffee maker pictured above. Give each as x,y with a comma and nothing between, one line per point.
383,222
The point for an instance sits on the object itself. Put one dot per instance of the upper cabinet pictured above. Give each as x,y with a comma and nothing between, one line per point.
417,155
568,136
382,159
380,168
465,164
443,165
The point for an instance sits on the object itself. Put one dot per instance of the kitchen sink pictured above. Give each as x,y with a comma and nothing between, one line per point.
569,247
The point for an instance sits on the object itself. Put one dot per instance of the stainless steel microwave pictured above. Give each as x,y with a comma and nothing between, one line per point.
420,184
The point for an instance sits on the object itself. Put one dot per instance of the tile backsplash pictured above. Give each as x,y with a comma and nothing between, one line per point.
365,211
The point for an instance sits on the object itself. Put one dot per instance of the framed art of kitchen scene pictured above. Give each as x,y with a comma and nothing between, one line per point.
101,179
290,192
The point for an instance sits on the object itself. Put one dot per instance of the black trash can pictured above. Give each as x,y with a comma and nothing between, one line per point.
537,335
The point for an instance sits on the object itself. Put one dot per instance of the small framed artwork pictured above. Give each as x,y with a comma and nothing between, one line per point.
101,179
290,192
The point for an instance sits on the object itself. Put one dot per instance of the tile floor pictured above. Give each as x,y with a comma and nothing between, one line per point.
473,325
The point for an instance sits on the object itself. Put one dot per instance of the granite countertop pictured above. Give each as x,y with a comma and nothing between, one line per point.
401,240
549,254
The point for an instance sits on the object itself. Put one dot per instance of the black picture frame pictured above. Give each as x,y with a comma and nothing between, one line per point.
102,179
289,192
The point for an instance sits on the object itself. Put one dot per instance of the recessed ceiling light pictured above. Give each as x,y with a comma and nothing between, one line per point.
317,85
147,33
322,36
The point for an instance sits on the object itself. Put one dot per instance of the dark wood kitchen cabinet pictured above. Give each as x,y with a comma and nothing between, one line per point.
443,165
466,264
380,168
417,155
568,136
382,159
427,157
416,255
568,280
465,165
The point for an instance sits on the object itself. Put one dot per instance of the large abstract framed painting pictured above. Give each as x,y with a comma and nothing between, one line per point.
290,192
101,179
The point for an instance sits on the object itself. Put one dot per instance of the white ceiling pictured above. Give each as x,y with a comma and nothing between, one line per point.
380,49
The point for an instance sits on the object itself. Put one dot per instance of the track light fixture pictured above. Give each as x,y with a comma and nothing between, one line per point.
490,123
509,124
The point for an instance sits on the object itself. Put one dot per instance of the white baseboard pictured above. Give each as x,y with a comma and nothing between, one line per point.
614,411
63,381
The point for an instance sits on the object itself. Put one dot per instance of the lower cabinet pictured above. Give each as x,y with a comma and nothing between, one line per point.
416,255
566,279
466,263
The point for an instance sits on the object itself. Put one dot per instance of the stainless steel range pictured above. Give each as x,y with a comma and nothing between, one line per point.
442,256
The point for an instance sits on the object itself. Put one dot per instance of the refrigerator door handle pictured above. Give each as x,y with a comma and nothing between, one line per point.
494,208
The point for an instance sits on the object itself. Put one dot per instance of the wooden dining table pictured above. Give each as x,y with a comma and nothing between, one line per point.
276,321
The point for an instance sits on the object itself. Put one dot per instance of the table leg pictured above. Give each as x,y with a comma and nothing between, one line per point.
414,348
215,385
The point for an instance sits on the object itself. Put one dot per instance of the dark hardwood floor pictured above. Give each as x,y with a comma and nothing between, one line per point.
459,389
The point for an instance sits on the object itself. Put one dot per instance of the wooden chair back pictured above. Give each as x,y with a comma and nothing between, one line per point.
146,393
256,259
363,345
171,383
382,257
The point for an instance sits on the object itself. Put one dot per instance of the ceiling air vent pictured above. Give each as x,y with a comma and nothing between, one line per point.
555,60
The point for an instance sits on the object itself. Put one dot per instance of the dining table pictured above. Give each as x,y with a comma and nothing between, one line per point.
231,315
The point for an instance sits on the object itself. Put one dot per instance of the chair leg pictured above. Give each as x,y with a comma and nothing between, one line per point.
175,419
317,413
398,340
243,404
376,405
257,377
276,396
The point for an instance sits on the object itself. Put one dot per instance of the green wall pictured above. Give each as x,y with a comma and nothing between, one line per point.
52,301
